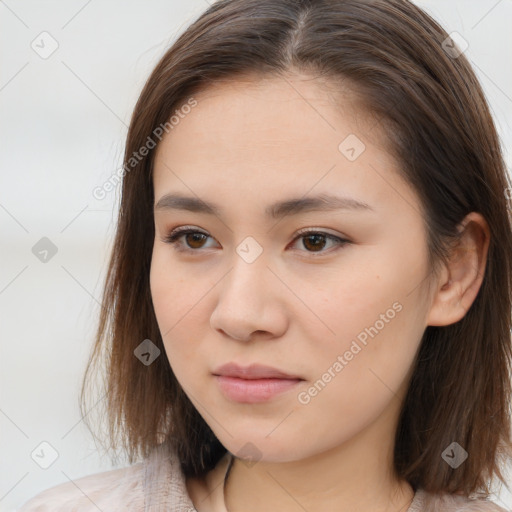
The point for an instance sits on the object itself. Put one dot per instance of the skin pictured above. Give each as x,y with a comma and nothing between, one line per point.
245,145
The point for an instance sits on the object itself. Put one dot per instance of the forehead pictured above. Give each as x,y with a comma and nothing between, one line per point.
273,111
272,136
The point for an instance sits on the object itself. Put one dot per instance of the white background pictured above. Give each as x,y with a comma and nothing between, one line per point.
63,124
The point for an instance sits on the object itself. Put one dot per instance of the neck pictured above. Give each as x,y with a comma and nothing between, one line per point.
298,488
355,476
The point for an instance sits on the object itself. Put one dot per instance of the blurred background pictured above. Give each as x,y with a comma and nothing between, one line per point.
70,74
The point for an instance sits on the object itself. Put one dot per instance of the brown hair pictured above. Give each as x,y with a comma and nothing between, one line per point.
441,132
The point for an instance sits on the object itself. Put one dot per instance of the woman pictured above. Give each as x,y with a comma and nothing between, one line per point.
308,301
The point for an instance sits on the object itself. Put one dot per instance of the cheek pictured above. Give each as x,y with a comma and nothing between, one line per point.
363,373
345,303
180,302
174,292
372,321
168,301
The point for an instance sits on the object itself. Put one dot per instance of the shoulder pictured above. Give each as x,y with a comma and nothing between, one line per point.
117,489
156,483
428,502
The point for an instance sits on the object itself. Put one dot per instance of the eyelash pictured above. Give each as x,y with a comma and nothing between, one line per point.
174,235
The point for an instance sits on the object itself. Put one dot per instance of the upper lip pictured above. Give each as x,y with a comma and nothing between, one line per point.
253,371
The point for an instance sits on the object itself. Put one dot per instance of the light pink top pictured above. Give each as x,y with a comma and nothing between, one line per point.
157,484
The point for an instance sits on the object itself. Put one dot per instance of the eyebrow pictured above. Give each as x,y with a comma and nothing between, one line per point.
294,206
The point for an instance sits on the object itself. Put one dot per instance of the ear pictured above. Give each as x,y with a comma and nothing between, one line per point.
459,282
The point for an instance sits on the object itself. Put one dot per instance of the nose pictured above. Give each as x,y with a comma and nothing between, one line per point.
250,302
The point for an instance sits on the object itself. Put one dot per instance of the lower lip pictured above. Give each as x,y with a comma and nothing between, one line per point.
253,390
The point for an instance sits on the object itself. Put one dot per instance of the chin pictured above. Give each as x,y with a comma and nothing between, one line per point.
253,449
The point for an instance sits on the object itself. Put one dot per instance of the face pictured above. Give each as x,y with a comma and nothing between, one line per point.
334,297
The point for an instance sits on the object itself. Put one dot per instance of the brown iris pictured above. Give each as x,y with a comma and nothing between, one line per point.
196,238
317,241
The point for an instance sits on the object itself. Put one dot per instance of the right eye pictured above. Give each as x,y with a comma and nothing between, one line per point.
194,239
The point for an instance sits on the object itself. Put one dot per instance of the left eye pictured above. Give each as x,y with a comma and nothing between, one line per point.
313,241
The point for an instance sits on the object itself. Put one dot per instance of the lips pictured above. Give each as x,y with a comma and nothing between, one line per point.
253,372
253,384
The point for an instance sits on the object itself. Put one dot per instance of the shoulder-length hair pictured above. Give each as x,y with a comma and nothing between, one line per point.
429,103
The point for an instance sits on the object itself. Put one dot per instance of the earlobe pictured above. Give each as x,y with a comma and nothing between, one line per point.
460,281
